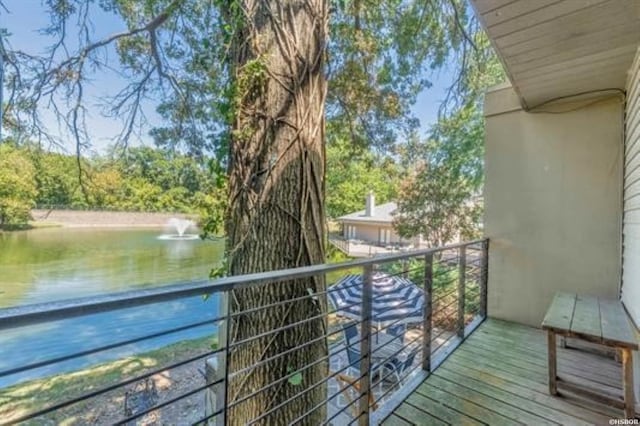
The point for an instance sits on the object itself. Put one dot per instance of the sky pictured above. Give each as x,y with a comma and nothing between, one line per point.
26,17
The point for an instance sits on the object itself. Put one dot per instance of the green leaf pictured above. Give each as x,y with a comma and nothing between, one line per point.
218,272
296,379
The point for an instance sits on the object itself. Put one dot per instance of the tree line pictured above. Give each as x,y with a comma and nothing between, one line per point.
138,179
435,180
153,179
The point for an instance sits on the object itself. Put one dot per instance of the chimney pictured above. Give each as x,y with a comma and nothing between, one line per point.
370,208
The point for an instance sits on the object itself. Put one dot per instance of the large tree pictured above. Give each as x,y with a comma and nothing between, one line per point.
247,80
276,194
352,172
441,199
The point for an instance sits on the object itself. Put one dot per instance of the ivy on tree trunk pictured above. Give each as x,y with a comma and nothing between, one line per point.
275,215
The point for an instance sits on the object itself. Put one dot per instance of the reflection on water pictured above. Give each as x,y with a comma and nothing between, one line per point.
53,264
59,263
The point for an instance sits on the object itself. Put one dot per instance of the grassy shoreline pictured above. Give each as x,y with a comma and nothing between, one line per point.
23,398
29,226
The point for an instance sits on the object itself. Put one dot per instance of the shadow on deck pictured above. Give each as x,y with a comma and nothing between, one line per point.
499,376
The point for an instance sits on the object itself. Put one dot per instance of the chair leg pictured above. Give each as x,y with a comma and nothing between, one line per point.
401,380
342,379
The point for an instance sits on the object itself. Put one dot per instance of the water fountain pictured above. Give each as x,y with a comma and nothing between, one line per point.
180,226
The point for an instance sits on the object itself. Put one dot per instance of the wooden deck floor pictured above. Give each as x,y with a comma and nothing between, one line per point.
498,376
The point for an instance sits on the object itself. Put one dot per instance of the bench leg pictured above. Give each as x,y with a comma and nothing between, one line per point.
627,383
551,350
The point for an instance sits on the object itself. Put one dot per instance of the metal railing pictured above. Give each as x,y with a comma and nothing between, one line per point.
340,243
360,248
109,380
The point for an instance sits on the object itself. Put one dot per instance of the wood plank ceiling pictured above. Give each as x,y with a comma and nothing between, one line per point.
558,48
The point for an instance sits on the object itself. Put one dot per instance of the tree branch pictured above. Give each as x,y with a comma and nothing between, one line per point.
460,26
44,80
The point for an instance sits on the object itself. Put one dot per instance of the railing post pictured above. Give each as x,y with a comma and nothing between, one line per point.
462,272
365,346
428,311
216,368
484,279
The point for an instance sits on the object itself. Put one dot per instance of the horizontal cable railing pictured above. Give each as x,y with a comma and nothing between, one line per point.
384,329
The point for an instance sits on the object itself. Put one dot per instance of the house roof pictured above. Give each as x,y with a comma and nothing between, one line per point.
382,213
554,49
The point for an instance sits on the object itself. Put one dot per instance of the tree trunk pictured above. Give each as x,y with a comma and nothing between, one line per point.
276,205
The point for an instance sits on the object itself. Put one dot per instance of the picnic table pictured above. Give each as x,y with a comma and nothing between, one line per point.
597,320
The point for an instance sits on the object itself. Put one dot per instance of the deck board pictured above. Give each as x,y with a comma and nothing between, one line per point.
514,396
498,376
394,420
532,343
413,415
531,351
534,390
568,369
571,369
465,405
474,395
439,410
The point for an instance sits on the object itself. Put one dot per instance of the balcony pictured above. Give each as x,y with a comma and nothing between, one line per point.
142,369
451,365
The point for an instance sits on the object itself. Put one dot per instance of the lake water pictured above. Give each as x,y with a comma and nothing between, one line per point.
60,263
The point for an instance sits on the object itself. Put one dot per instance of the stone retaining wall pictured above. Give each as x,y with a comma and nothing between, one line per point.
78,218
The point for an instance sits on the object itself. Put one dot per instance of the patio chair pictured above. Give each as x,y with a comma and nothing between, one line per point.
350,332
400,367
397,331
378,370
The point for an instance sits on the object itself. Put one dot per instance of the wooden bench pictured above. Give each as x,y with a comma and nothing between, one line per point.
601,321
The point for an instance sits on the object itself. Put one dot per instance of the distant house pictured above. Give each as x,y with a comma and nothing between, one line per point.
373,225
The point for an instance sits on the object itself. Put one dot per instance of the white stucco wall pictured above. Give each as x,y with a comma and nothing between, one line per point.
370,232
552,203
